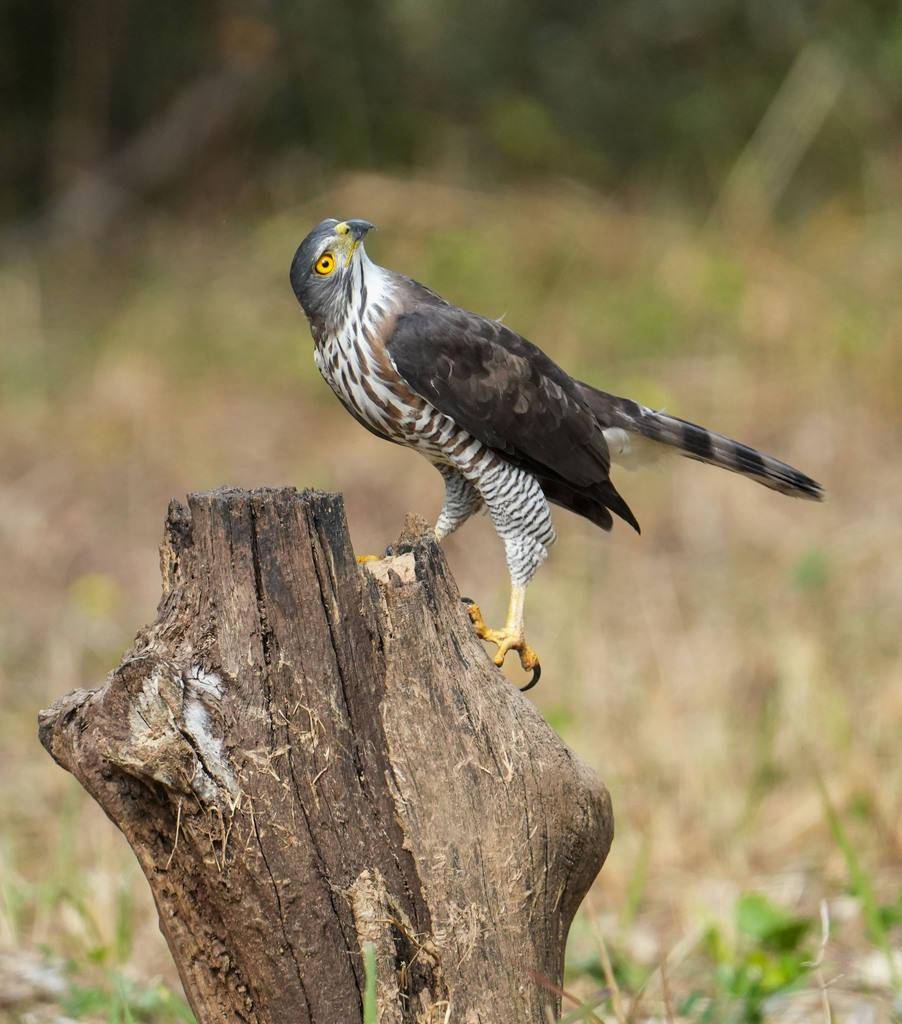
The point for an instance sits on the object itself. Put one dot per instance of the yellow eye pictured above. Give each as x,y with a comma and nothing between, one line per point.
325,264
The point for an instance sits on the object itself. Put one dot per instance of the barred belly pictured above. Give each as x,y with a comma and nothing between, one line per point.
519,511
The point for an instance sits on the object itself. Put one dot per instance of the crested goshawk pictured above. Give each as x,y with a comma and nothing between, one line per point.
506,427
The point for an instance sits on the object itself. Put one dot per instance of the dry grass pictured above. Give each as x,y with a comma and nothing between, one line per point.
711,670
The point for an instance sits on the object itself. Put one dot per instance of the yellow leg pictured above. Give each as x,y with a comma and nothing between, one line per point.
362,559
511,637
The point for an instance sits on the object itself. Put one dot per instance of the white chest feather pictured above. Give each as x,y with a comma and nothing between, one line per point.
351,357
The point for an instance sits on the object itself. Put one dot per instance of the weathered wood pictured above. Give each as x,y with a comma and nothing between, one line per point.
306,755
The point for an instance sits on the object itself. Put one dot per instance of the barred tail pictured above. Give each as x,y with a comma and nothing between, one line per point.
698,443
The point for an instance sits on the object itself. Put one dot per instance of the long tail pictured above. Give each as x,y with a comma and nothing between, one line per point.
696,442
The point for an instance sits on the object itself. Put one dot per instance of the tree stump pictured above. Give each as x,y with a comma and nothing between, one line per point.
307,756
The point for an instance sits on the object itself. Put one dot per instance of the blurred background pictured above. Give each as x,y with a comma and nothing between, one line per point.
697,203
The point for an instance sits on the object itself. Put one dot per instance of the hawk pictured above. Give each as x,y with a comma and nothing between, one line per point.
506,427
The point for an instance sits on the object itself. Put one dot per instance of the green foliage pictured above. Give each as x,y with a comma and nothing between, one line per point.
125,1002
629,974
765,955
768,957
890,914
525,134
878,920
97,979
609,93
812,571
770,926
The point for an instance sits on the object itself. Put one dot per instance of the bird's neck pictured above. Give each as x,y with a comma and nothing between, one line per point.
366,299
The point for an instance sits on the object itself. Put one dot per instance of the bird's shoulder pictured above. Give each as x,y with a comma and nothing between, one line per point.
429,328
498,386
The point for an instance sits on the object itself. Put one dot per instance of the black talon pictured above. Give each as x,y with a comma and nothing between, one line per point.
536,676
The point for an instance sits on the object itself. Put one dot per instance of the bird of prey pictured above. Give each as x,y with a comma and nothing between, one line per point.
506,427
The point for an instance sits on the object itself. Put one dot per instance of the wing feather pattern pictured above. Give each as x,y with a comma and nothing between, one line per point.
511,396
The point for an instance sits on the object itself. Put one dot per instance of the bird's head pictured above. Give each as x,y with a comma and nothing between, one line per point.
322,271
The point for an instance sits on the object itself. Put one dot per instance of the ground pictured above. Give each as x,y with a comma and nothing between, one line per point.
733,674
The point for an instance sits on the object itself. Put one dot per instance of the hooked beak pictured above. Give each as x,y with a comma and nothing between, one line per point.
357,229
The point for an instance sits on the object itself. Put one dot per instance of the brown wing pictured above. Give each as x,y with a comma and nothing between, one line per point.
506,392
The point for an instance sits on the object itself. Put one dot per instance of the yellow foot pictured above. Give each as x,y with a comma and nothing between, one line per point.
505,640
363,559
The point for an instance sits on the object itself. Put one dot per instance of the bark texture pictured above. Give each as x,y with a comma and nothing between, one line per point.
306,756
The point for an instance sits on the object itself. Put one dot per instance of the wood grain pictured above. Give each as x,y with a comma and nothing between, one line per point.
306,755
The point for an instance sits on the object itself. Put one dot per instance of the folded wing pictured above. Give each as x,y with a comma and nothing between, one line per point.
508,394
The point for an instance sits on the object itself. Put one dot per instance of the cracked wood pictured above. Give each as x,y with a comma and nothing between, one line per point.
306,756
